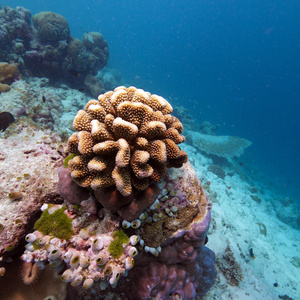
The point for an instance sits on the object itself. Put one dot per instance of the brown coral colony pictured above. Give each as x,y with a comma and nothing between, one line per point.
126,138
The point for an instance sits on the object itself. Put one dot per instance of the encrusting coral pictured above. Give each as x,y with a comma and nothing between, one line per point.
8,74
126,138
160,254
150,244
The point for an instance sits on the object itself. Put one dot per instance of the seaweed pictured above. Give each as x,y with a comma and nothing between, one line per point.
57,224
115,248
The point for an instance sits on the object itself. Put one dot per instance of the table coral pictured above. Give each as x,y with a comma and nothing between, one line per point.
126,138
222,146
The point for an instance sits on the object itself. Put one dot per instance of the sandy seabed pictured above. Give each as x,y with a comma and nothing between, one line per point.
239,224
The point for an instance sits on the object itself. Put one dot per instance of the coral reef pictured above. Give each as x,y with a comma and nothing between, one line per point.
107,253
51,27
222,146
46,48
34,102
102,242
127,138
95,43
110,78
183,114
94,85
208,128
16,33
287,211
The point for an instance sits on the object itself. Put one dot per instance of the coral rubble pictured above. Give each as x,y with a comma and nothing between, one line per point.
230,268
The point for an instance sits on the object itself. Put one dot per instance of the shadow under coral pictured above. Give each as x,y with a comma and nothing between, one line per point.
25,281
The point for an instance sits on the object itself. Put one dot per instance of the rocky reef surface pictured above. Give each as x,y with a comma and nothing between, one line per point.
256,247
35,102
97,240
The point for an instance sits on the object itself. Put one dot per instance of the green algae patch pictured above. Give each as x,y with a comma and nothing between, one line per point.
57,224
115,248
68,158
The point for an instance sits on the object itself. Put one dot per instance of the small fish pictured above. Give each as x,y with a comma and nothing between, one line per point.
251,253
6,118
90,37
74,73
206,240
44,99
15,195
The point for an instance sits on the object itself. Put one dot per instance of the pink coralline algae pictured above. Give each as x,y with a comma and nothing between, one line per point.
159,254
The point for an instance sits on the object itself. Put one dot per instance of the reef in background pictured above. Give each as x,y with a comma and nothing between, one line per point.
45,48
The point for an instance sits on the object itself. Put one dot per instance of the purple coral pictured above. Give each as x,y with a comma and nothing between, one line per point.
184,267
172,259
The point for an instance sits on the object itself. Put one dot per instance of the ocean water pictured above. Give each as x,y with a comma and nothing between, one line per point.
233,63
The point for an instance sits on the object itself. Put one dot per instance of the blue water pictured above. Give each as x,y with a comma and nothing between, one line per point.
233,63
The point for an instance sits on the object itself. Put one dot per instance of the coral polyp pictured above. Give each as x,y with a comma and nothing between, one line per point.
127,138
